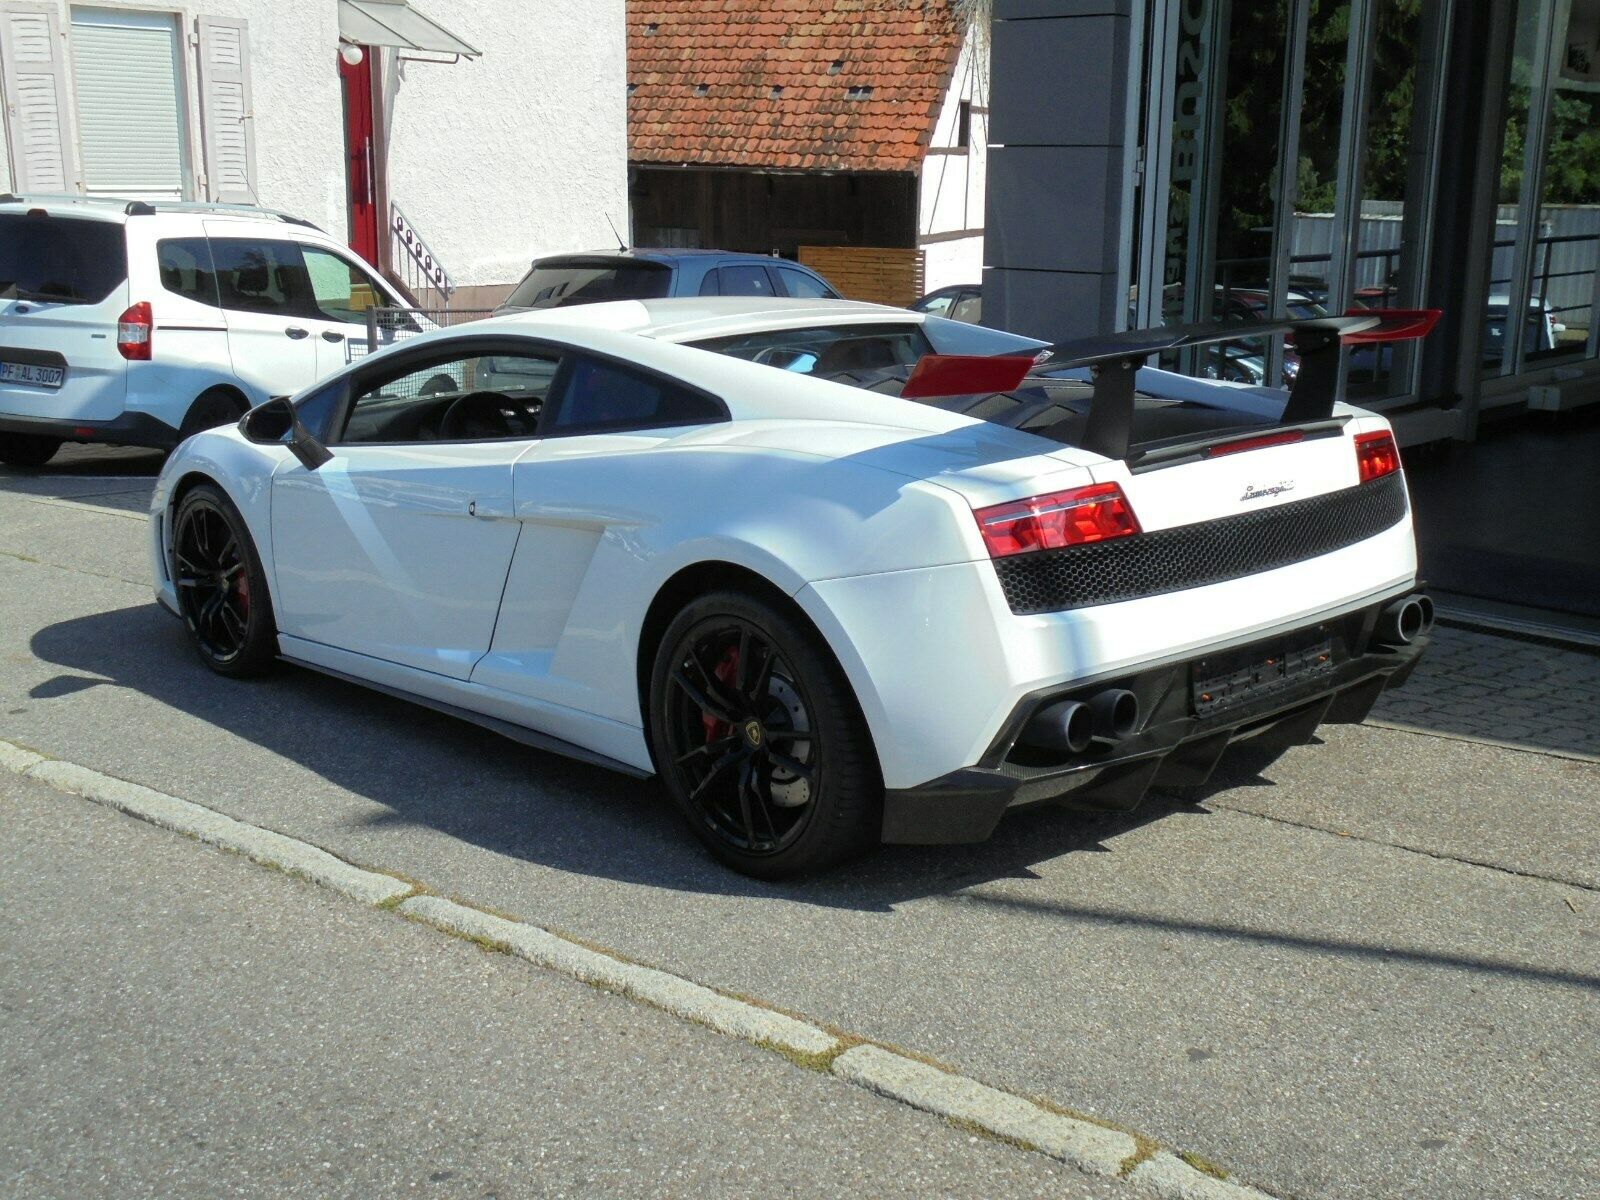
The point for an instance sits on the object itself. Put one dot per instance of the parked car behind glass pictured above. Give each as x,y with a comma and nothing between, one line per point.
566,279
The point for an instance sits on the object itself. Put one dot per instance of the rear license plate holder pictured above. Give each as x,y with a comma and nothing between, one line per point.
1233,678
32,375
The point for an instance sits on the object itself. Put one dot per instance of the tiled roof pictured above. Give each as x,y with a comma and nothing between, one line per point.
794,84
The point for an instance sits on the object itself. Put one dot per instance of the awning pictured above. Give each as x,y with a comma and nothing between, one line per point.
396,24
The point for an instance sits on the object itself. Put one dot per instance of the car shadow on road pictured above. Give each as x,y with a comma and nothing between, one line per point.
431,770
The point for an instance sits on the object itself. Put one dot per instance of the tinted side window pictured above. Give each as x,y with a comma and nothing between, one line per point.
804,285
745,280
711,285
262,276
599,396
458,397
186,270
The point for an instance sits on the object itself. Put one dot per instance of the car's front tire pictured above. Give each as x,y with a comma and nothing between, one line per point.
27,449
759,739
222,588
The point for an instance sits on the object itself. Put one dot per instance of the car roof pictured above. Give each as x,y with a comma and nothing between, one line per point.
660,255
694,317
120,209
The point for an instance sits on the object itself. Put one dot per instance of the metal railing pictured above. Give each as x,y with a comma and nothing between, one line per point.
390,326
419,268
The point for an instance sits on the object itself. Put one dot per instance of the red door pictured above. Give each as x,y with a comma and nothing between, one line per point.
360,155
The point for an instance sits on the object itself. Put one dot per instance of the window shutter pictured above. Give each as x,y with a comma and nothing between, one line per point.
130,116
38,119
226,116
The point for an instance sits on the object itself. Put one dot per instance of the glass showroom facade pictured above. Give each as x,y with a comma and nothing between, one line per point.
1287,158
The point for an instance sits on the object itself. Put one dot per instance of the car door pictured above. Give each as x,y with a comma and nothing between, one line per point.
397,548
262,285
342,294
579,494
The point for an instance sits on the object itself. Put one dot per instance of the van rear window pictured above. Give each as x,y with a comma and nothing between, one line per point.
60,259
574,281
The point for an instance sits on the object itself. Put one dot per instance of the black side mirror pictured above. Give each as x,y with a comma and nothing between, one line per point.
277,423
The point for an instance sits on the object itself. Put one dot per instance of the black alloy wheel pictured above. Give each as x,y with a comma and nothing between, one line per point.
221,587
759,741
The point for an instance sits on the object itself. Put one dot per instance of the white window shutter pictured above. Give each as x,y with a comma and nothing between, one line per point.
226,117
33,62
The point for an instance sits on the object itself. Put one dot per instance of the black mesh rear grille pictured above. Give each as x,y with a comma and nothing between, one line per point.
1188,556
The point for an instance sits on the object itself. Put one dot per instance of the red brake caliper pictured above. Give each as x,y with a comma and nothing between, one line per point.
243,591
726,671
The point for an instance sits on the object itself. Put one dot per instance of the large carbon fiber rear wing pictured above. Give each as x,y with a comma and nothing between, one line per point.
1114,361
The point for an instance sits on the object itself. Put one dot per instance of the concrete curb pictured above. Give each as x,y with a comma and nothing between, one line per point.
259,845
1169,1177
1089,1147
1029,1125
676,995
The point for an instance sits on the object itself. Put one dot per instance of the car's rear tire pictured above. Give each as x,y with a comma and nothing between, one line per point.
759,740
211,409
222,589
27,449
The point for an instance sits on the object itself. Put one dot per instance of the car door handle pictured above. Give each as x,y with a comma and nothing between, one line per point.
295,332
329,335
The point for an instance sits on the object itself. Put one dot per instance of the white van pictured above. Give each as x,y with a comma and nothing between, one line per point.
139,324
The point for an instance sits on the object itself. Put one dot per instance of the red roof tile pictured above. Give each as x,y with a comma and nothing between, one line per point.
740,50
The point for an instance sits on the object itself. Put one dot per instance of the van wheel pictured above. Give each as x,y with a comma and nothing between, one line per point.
27,449
210,410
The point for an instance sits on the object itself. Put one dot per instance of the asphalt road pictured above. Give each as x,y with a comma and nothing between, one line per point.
1371,968
179,1023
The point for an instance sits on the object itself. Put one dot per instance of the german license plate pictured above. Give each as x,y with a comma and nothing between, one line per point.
1224,681
49,377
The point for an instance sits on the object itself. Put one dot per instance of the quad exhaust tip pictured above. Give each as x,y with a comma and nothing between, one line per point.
1064,725
1405,620
1115,714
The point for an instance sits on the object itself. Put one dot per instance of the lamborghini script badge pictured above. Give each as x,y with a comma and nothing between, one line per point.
1252,492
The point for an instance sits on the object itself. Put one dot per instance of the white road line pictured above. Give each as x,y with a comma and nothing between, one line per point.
1027,1124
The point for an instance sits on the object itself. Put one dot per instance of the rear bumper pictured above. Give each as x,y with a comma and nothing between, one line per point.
129,429
1174,744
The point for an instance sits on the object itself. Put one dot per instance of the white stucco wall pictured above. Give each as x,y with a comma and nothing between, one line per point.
496,160
951,186
296,99
521,152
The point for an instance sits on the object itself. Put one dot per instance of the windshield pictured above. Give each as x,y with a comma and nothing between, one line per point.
575,281
60,259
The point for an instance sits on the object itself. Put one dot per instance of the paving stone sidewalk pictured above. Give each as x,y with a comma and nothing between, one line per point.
1505,689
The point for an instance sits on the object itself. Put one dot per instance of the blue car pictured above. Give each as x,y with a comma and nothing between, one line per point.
566,279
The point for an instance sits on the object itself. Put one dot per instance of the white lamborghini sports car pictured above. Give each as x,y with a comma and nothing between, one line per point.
838,573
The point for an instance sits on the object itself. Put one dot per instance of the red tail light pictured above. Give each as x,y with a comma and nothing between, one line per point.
134,329
1376,455
1096,513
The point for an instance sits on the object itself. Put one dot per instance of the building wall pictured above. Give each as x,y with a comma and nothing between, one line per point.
951,183
521,152
299,138
518,153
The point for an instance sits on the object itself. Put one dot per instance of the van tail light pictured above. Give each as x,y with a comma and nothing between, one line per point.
134,328
1376,455
1096,513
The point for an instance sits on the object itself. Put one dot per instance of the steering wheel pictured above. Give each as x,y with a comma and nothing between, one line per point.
488,415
